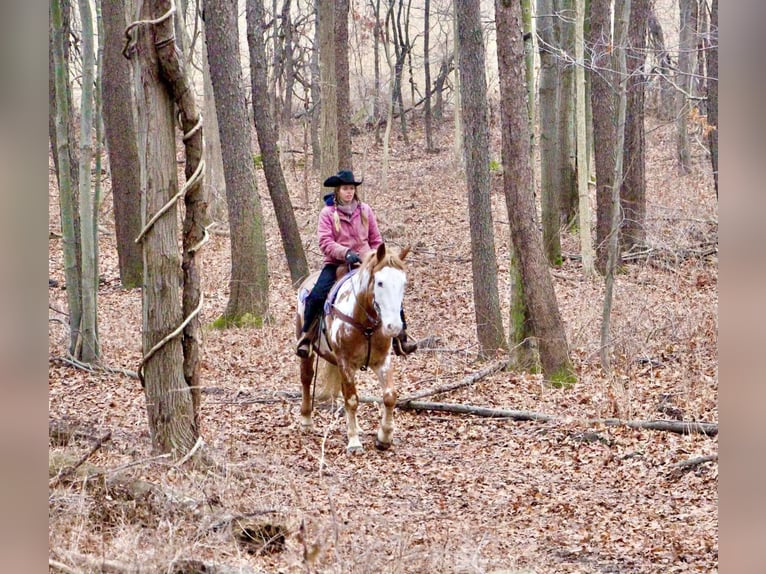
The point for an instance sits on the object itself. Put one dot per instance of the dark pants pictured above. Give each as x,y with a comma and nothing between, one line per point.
315,301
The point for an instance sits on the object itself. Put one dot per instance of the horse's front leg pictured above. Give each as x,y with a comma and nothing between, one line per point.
351,403
307,375
385,436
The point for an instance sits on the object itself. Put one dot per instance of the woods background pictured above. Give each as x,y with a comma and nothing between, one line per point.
457,493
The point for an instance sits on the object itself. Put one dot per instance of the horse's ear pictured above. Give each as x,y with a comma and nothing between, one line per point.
381,252
403,253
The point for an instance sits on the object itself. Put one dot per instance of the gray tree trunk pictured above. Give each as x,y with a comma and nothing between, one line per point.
89,351
550,170
489,324
215,182
119,124
327,73
602,102
267,140
712,93
169,401
62,143
538,289
249,283
565,121
687,10
427,73
345,159
621,17
633,192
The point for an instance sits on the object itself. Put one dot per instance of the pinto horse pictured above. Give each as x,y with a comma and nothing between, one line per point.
356,334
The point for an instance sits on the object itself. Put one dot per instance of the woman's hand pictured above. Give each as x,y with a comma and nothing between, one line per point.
352,257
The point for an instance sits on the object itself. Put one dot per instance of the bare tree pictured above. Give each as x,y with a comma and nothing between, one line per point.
119,124
489,324
249,283
621,17
329,91
538,291
427,73
169,370
550,170
267,140
62,142
687,12
565,117
602,102
345,160
712,93
633,192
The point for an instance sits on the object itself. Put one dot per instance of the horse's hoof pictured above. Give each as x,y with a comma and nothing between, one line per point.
382,445
353,450
306,429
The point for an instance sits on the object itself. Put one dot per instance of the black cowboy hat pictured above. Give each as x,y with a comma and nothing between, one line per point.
343,177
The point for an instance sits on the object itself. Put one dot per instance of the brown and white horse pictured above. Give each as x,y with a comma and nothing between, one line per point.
357,334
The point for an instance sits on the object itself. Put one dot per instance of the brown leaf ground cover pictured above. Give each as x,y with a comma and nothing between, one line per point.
456,493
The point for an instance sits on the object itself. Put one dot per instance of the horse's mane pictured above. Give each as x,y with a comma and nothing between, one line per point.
371,263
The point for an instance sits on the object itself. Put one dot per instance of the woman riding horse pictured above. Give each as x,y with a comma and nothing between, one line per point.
347,230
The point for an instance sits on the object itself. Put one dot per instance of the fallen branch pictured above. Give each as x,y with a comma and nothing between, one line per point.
696,461
68,471
679,427
464,382
61,567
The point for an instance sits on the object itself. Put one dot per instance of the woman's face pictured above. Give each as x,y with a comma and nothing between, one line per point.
346,193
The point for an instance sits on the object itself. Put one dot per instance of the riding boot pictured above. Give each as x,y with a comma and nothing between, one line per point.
310,327
402,343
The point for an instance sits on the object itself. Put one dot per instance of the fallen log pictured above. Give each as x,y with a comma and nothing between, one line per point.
679,427
464,382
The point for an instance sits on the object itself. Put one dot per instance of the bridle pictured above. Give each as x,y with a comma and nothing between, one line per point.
371,324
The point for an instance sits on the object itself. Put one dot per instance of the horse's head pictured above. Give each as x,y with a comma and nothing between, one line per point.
389,278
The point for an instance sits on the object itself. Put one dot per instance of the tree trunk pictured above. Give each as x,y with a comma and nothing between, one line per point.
586,241
712,93
602,102
249,283
120,129
633,192
529,73
565,120
459,143
316,96
62,144
489,324
621,17
89,351
427,72
517,183
215,182
345,160
329,122
275,178
687,10
169,401
550,172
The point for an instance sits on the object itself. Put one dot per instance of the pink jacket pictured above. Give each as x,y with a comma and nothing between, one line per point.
353,234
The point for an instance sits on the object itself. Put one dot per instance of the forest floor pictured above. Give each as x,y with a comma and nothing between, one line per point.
456,493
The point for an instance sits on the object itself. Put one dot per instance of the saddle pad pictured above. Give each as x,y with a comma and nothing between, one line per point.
334,291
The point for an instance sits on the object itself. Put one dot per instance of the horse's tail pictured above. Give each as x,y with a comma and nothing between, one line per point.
329,377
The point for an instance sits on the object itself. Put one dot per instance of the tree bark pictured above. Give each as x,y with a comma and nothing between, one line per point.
633,192
602,102
565,142
539,294
427,73
621,18
169,401
581,125
550,170
712,93
67,171
249,283
687,10
489,324
89,346
345,159
330,157
267,141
